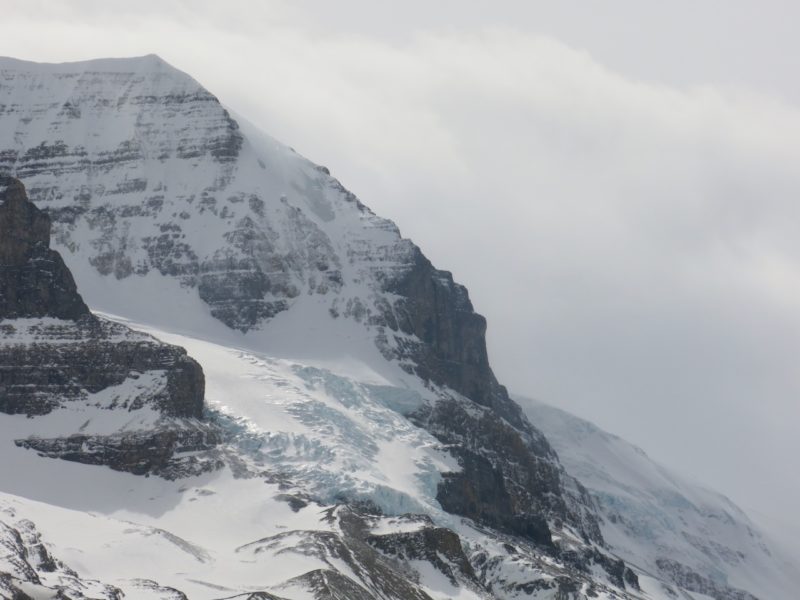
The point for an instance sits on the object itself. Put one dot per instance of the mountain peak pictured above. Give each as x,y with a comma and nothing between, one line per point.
139,65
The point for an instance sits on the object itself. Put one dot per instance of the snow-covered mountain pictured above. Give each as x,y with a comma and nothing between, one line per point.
271,438
661,522
353,441
168,211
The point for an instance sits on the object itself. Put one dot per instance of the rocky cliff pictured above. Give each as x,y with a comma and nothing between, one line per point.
57,357
34,281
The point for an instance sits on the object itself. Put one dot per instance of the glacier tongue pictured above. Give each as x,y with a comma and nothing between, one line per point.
335,437
295,437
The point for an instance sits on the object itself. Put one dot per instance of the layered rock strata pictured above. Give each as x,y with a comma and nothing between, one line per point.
55,355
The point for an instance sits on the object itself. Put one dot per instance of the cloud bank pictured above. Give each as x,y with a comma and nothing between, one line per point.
634,245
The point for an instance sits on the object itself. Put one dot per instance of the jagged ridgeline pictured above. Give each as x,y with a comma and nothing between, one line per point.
56,355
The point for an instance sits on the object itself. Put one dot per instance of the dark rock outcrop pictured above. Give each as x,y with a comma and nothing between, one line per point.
327,584
371,574
452,336
689,579
439,546
140,453
510,477
617,572
502,482
159,591
254,596
45,364
34,281
55,352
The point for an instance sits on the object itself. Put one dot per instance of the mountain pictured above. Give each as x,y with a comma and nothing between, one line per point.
348,438
151,183
661,522
297,439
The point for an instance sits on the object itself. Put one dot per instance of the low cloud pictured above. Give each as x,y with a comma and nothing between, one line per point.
633,245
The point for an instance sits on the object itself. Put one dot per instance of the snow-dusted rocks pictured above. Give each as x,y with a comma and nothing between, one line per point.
103,393
28,570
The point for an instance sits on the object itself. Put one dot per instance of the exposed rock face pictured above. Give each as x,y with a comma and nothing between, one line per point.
28,570
372,575
451,346
690,580
256,596
510,478
34,281
49,362
439,546
618,573
140,453
54,353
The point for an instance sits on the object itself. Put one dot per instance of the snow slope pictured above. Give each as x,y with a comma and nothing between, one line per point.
652,514
299,436
147,177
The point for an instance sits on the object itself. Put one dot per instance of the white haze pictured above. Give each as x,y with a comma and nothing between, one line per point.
620,194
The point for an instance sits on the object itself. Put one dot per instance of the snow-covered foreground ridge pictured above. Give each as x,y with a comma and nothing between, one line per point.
296,436
354,442
326,491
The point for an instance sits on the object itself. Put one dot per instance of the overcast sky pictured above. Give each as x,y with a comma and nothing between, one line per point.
616,182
